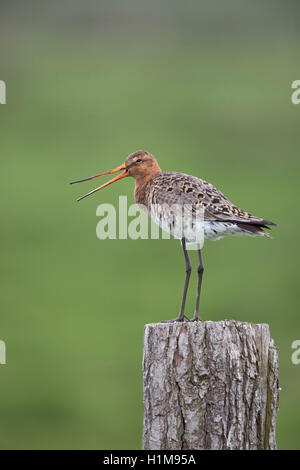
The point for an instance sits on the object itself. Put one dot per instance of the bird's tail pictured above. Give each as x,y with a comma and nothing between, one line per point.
256,228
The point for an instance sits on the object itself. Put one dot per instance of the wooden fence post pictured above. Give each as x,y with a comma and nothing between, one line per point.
209,385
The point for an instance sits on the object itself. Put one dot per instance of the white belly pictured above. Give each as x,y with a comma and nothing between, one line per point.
216,230
179,224
194,229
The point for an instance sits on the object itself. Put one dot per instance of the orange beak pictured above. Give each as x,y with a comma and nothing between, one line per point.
115,170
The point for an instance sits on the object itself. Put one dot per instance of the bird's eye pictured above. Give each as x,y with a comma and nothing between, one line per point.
138,160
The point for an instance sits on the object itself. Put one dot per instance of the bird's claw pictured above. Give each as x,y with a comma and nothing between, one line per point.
196,318
178,319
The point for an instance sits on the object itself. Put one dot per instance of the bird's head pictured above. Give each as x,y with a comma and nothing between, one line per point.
141,165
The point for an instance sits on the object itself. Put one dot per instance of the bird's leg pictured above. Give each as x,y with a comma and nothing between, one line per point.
188,270
200,274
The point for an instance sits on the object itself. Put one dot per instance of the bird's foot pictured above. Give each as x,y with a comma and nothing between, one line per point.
180,318
196,317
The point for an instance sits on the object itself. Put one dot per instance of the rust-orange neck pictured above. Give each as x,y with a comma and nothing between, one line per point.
141,180
140,190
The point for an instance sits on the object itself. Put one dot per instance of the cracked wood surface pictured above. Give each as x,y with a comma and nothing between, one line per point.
209,385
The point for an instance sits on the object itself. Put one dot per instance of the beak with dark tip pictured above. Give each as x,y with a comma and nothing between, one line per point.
115,170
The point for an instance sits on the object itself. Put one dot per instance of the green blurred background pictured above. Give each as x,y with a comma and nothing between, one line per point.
206,87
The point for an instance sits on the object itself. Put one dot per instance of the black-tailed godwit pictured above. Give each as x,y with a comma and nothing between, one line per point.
155,189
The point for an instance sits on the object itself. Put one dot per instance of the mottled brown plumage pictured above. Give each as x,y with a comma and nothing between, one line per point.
152,186
185,206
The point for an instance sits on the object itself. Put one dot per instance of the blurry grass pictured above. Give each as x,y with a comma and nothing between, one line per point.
74,307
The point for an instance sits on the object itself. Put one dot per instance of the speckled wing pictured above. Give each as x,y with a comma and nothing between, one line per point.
179,188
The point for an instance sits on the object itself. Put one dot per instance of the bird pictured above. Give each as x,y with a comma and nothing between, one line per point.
209,211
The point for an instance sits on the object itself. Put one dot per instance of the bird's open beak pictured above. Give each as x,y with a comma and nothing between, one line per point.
115,170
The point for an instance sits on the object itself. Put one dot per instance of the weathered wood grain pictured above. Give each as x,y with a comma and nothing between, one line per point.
209,385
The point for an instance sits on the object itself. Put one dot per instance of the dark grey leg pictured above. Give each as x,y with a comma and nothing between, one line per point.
188,270
200,274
